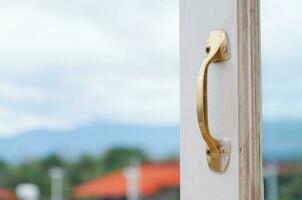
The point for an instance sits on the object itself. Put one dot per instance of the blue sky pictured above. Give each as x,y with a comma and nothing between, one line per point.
69,63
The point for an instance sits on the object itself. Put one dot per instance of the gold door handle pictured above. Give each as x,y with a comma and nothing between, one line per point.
218,150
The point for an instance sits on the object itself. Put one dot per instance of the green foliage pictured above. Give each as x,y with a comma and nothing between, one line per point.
85,168
121,157
290,187
5,174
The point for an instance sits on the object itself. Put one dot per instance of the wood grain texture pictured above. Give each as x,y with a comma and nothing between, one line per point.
249,93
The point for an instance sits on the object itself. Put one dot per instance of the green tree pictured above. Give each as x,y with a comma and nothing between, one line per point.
5,174
85,168
121,157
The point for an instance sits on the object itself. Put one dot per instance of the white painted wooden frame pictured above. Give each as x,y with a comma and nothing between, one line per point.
234,100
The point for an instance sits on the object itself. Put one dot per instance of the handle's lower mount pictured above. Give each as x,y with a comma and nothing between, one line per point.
218,161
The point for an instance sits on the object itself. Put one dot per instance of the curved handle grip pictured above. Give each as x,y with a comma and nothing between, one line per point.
218,151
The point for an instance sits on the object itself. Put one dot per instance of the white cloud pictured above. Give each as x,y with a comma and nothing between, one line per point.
67,63
51,33
14,121
281,29
281,56
14,93
32,39
135,98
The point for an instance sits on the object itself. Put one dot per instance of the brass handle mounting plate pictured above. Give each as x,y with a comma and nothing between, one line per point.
218,150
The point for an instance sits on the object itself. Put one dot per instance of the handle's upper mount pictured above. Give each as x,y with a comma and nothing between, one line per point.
217,46
218,151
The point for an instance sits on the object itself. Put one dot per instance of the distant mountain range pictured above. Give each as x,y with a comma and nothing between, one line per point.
282,141
157,141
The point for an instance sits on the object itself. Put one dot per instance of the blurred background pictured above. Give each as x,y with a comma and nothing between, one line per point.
89,101
282,98
89,105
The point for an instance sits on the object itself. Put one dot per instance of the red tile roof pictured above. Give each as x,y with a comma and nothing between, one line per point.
153,178
7,194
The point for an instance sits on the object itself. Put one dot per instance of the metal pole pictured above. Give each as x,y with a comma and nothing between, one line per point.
272,182
132,174
57,175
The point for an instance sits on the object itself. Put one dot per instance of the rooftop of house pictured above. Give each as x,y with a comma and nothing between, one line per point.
152,179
